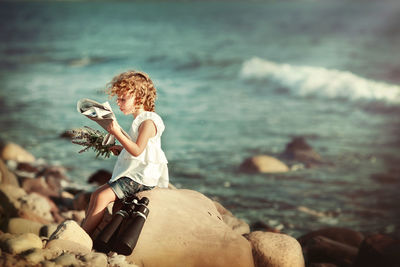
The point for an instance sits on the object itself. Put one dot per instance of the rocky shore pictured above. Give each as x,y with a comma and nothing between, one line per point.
41,212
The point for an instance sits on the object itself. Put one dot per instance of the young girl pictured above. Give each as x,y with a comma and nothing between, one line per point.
141,164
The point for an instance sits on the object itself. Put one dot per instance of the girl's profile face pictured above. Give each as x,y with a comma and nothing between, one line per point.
126,103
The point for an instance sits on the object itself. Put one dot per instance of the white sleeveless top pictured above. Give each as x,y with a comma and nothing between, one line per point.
150,167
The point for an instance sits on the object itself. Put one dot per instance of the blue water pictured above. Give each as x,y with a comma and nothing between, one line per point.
234,80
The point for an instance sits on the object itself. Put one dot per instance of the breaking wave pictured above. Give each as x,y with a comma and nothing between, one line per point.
320,82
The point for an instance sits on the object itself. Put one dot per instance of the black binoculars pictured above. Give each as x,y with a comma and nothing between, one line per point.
120,239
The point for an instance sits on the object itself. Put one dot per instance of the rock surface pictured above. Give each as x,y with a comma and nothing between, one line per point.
275,250
184,228
263,164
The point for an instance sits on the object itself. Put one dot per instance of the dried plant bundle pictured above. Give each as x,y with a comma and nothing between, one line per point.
91,138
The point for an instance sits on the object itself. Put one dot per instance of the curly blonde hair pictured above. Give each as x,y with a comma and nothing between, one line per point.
135,83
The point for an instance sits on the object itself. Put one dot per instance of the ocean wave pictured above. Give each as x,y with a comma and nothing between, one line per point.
320,82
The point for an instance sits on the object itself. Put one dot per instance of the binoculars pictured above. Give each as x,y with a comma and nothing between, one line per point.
120,239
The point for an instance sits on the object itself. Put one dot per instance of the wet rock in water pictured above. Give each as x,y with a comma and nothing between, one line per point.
7,177
299,150
275,250
188,231
237,225
339,234
379,250
100,177
71,237
322,249
11,151
263,164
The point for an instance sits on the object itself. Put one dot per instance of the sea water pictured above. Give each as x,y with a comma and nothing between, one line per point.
234,79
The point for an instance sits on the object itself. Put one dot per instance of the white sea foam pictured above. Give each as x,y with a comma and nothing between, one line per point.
320,82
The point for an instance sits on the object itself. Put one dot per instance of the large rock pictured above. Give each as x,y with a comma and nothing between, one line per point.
184,228
275,250
14,152
263,164
7,177
70,236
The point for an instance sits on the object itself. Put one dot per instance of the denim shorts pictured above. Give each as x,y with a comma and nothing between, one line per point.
125,187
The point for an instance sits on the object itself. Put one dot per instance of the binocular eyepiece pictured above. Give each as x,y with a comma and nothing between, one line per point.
123,241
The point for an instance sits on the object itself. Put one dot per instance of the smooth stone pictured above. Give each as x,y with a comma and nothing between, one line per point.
15,152
71,231
20,226
23,243
263,164
275,250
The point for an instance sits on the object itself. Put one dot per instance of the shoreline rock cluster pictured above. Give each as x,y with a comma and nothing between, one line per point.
298,154
41,213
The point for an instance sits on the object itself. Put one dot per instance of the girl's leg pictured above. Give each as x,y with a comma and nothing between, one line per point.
98,203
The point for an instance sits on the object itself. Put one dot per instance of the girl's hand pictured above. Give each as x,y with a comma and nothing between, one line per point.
116,149
113,128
